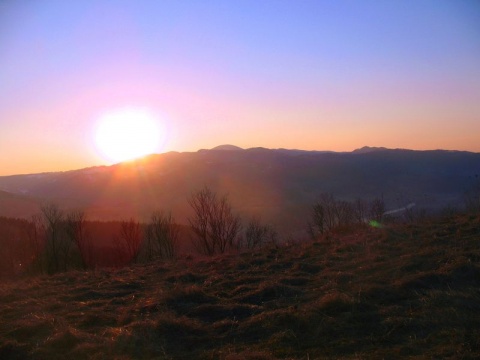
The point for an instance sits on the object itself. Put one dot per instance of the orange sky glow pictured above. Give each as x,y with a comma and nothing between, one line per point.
317,76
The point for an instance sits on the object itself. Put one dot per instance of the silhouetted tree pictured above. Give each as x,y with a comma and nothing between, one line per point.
377,209
53,220
330,212
75,227
327,213
7,250
214,224
131,238
161,236
317,224
360,211
324,215
258,234
35,232
344,213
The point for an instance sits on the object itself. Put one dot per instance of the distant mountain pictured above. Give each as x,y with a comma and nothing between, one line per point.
279,185
368,149
227,148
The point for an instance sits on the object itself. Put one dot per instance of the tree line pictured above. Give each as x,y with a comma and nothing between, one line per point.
56,240
328,213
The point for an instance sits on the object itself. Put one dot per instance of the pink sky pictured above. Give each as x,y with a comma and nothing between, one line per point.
314,76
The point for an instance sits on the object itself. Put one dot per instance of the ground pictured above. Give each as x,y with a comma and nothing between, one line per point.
391,292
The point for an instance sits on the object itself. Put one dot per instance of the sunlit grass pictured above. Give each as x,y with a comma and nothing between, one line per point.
391,292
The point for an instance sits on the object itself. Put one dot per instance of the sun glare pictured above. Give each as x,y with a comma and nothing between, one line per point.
127,134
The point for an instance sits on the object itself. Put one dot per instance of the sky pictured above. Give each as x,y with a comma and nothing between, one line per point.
313,75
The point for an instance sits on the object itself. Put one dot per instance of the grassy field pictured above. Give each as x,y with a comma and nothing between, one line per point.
401,291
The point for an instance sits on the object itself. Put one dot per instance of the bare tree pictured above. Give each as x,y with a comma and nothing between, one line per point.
131,238
344,213
317,225
324,216
35,231
214,224
377,209
327,213
7,250
162,236
202,203
360,211
75,227
53,218
330,211
258,234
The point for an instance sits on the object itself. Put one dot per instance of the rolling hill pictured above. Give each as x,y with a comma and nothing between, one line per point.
278,184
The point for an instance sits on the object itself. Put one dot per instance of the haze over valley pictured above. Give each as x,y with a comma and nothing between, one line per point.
278,185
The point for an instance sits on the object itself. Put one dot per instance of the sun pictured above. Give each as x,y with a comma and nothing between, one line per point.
126,134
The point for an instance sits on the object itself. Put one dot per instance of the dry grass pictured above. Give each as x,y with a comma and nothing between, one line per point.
401,291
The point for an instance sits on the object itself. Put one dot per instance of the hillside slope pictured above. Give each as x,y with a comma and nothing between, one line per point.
18,206
278,185
393,292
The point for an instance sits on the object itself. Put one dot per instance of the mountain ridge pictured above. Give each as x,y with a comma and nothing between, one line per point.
230,147
277,184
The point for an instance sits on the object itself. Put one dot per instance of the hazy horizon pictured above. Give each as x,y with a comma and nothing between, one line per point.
277,74
220,145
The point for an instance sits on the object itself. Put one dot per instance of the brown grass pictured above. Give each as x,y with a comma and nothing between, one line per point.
400,291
